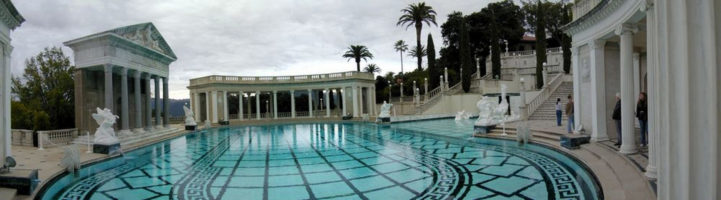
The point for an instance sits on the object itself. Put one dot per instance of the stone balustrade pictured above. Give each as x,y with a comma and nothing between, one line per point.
281,79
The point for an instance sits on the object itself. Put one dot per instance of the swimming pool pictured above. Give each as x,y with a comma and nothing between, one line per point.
331,161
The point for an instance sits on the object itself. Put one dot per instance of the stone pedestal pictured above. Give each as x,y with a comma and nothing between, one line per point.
574,141
384,119
23,180
482,130
106,148
190,127
223,123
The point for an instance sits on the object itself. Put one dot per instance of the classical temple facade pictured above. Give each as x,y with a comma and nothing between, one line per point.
672,50
9,20
234,98
115,70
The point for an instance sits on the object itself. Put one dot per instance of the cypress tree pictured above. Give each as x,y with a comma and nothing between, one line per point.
540,44
465,56
566,41
433,72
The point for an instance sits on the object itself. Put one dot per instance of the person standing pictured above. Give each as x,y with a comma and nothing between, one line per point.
559,112
569,113
642,115
617,117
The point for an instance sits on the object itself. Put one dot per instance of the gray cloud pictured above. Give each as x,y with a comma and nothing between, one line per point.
247,38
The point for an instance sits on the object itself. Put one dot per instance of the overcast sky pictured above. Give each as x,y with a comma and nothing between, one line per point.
238,37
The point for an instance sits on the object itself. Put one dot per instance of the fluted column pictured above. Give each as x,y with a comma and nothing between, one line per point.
355,101
292,103
310,102
576,70
138,104
109,101
208,102
225,106
598,93
157,102
345,97
5,98
148,107
275,104
628,145
214,106
196,107
327,102
257,104
166,103
653,95
240,105
124,116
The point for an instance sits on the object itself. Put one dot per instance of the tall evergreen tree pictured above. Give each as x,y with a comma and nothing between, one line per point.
433,71
566,40
466,58
540,44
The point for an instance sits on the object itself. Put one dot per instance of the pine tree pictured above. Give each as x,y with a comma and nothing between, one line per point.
433,71
466,58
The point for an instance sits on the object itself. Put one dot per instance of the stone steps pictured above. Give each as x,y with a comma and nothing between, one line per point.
547,110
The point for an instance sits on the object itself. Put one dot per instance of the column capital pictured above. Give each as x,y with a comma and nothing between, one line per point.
137,74
626,28
597,44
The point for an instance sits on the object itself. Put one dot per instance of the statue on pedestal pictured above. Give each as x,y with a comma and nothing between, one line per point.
105,134
385,114
189,120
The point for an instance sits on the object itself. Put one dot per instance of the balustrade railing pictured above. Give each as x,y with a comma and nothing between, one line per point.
52,138
544,94
280,79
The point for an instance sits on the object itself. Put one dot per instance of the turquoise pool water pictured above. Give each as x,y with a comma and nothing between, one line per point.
413,160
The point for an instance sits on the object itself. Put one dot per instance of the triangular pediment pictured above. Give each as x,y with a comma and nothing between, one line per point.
146,35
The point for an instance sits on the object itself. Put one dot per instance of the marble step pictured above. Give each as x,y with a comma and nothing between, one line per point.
128,139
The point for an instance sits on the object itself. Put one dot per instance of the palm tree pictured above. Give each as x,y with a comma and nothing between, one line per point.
358,52
416,14
401,46
372,68
418,52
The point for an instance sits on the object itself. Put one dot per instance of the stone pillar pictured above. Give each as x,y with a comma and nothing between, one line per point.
225,106
598,93
373,100
5,93
628,145
653,96
208,102
124,116
157,102
148,107
196,107
166,103
343,92
361,105
310,102
576,65
355,101
275,104
445,81
401,100
138,104
687,39
214,106
425,89
240,105
257,104
327,102
292,103
636,76
109,101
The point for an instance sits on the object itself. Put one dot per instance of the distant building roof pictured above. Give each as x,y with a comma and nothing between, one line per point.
528,38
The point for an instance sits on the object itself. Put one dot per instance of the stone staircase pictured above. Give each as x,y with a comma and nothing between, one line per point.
547,111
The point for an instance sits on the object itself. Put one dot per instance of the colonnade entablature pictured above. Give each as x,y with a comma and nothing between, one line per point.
226,98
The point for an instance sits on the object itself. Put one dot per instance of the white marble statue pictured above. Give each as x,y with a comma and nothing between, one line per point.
105,134
71,159
385,110
189,120
492,112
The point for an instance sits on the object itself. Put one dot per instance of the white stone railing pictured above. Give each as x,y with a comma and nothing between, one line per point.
53,138
581,7
22,137
281,79
544,94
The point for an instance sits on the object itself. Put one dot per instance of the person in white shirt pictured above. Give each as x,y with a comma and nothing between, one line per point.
559,112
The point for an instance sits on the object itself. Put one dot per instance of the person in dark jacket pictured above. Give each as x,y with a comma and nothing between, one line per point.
617,117
569,113
642,115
